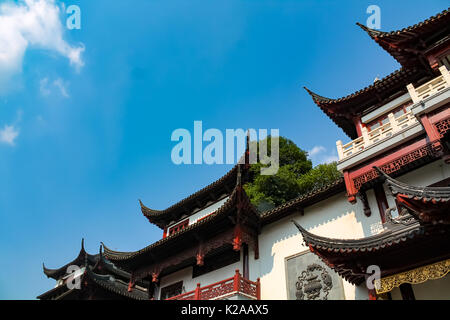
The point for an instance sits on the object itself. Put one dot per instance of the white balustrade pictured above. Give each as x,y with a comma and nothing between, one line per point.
394,125
431,87
368,138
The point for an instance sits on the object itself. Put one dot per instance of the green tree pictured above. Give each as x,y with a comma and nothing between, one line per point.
295,176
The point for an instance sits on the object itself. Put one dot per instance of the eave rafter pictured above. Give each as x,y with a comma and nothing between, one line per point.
196,200
429,204
408,45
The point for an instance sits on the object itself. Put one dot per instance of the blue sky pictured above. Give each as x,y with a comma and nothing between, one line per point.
86,115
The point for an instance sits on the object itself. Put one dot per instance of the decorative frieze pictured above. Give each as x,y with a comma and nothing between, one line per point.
396,164
419,275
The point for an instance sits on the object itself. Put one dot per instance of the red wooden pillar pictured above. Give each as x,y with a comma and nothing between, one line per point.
258,289
431,130
236,281
351,190
358,125
197,295
165,232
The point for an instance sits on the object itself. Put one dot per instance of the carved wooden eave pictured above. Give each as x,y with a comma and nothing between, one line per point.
397,161
428,204
418,275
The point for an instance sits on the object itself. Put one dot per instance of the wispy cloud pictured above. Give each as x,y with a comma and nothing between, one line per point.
45,87
316,150
320,154
9,134
31,24
61,85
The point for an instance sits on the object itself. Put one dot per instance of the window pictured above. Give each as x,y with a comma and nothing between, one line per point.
172,290
178,227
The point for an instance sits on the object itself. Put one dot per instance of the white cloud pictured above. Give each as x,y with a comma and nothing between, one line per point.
31,24
61,85
330,158
8,134
320,154
316,150
43,87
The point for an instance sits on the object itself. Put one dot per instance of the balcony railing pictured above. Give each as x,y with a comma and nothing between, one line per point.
234,285
370,137
431,87
394,125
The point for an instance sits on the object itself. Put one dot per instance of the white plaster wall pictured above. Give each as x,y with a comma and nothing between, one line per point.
333,218
428,174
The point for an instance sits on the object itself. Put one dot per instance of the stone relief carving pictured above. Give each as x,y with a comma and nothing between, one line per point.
314,283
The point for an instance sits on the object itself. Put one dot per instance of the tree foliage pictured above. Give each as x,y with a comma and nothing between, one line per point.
295,176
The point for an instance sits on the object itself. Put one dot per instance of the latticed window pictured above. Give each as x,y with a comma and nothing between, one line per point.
179,227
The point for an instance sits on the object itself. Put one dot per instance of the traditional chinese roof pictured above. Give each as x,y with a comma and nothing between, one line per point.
404,244
208,227
98,273
116,288
428,204
78,261
106,267
408,45
343,110
114,285
303,201
212,192
60,292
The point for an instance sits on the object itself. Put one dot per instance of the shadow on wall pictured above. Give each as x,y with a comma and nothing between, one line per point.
335,217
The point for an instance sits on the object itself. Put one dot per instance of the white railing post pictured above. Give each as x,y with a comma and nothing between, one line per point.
413,93
365,135
393,122
339,149
445,74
